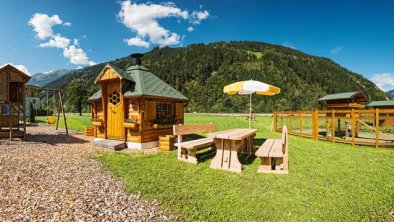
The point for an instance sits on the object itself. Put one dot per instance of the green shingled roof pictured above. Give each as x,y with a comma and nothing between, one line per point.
95,96
143,83
346,95
380,103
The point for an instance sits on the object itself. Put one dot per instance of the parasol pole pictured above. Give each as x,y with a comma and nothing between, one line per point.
250,108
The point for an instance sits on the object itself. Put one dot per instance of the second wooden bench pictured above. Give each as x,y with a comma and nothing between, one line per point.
187,150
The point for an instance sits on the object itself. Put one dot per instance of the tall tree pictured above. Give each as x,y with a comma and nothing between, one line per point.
77,95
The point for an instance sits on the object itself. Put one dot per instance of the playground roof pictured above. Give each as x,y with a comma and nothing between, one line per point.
337,96
380,103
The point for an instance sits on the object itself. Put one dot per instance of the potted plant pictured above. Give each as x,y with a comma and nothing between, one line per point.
131,123
164,122
97,122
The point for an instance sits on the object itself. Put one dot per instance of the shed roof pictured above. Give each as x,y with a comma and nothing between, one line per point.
141,82
381,103
336,96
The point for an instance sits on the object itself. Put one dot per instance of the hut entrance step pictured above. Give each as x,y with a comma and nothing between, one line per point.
109,144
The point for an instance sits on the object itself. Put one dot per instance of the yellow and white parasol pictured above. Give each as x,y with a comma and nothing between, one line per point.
248,88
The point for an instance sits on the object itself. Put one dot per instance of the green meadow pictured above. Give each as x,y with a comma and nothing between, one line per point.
326,181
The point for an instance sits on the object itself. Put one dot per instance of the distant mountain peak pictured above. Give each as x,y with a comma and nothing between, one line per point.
41,79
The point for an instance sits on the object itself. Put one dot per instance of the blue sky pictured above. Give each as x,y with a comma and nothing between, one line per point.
358,35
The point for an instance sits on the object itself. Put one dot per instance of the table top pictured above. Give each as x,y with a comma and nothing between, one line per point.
234,134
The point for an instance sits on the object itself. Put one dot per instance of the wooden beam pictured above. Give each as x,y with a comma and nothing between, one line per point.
64,113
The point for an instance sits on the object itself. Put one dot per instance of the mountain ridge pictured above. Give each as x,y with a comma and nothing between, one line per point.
41,79
390,94
200,71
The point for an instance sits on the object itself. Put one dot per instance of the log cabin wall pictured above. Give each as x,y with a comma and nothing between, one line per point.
151,131
133,112
98,113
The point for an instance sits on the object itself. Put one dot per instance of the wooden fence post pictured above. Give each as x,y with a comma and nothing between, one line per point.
353,128
300,122
377,127
315,125
333,125
275,123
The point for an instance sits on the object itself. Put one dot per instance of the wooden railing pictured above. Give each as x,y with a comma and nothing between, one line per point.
357,126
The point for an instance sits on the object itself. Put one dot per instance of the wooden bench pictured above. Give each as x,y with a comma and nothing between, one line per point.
274,155
187,150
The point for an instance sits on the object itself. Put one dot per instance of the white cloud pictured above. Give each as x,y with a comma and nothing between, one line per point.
77,56
143,19
289,45
385,81
76,42
42,24
137,42
336,50
20,67
190,29
198,16
57,42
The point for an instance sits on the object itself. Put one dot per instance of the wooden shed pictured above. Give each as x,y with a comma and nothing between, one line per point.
344,101
385,119
381,104
135,106
12,99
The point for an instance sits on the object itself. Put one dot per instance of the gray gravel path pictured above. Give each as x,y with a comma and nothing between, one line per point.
51,177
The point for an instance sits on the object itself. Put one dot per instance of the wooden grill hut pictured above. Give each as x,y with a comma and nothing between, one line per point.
12,102
134,106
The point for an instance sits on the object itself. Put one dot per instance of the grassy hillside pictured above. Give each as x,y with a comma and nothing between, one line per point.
200,71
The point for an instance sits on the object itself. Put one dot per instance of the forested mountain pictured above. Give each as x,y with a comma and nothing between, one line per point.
390,94
41,79
200,71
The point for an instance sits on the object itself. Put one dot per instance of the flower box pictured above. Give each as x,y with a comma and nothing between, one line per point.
97,123
130,125
158,126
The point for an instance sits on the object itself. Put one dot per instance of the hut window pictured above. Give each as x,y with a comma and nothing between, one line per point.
114,98
164,110
133,107
15,94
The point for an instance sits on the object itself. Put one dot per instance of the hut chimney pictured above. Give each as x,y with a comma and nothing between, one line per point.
136,58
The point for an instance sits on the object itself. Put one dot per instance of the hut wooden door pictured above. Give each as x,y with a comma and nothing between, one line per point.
115,115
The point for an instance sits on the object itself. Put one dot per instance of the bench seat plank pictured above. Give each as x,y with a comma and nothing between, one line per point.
204,142
265,148
277,149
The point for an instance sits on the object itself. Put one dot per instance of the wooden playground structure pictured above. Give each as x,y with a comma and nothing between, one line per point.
356,126
12,102
35,90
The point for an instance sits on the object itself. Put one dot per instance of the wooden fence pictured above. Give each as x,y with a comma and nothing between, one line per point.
357,127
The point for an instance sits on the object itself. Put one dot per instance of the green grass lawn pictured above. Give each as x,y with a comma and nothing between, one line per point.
74,121
326,181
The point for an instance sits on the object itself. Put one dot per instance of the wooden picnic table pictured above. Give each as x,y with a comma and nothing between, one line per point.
228,144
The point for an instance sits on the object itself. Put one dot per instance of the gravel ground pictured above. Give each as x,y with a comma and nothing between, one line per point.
51,177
